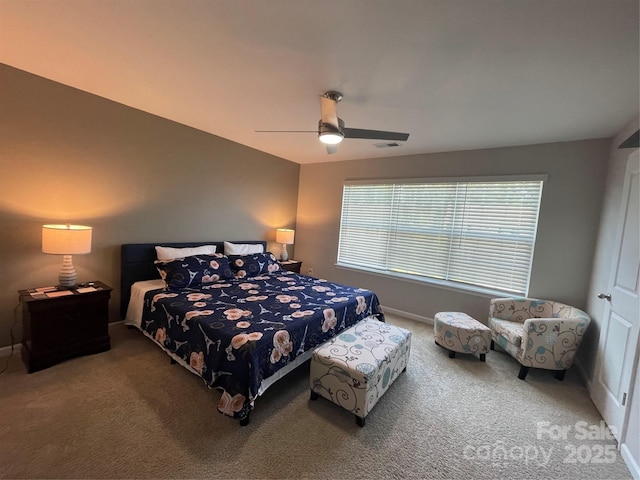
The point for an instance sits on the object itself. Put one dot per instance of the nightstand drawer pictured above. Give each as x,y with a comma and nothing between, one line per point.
70,322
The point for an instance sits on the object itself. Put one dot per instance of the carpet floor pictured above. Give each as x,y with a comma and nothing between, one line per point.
129,413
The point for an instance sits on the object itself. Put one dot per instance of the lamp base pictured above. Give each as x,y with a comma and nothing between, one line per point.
68,277
284,255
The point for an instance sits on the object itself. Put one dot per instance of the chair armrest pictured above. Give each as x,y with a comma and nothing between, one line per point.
551,343
565,331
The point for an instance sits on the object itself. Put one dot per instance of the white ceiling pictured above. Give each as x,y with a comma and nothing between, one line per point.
455,74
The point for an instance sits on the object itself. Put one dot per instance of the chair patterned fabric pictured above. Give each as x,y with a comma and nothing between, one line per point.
354,369
538,333
458,332
511,331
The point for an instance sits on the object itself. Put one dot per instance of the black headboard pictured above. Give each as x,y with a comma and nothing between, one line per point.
136,263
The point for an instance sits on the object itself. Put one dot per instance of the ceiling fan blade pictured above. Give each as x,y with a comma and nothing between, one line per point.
331,149
374,134
329,111
331,129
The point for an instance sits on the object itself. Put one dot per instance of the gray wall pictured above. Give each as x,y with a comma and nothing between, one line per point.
69,156
567,229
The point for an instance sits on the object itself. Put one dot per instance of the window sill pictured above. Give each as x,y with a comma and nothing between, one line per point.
456,287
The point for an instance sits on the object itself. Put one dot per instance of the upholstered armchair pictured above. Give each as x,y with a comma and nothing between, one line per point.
537,333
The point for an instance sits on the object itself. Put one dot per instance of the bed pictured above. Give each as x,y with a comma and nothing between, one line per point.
239,322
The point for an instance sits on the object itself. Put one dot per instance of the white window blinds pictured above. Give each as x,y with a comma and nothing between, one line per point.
480,234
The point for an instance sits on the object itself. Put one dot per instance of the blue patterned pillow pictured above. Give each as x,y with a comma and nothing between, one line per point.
254,264
192,272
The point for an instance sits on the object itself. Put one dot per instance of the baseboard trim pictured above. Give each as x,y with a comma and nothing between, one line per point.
632,465
583,374
6,351
411,316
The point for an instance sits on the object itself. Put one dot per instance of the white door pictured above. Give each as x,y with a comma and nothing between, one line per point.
619,333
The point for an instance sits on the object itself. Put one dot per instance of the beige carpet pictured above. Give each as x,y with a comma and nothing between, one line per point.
129,413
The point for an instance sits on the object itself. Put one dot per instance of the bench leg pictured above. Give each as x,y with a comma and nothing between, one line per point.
360,421
493,345
483,357
452,354
313,396
244,421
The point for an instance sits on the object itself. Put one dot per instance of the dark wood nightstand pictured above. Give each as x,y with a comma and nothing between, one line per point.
62,327
291,265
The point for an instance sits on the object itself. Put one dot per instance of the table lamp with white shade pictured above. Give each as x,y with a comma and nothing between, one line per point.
285,236
66,240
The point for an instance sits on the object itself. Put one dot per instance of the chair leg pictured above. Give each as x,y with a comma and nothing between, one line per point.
492,346
483,357
523,372
452,354
560,374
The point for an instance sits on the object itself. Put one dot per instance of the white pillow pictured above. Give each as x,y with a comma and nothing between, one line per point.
242,248
169,253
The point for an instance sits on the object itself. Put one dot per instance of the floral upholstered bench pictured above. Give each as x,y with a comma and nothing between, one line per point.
354,369
458,332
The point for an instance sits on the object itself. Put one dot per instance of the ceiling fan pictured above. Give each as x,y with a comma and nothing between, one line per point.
331,129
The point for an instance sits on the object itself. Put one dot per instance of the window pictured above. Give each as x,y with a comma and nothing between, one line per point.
476,234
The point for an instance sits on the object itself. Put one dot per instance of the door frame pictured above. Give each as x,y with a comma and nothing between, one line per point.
601,395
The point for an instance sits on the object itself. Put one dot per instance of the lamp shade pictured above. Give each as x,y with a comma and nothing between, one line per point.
66,239
285,236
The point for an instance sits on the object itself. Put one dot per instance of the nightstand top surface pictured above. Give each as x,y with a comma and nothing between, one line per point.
40,293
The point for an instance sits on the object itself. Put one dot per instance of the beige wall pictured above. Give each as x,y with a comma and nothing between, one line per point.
567,229
69,156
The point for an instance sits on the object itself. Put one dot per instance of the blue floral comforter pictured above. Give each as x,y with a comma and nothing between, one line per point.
236,333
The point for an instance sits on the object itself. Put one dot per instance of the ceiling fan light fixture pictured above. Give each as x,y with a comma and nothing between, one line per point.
328,134
331,138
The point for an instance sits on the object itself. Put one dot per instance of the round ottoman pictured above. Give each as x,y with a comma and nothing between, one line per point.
458,332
